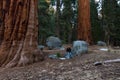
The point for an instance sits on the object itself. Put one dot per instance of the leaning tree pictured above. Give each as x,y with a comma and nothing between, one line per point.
84,28
18,33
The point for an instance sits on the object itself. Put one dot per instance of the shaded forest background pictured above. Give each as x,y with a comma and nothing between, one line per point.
60,18
60,22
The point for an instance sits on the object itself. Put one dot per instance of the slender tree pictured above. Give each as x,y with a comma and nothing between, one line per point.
57,18
19,30
84,27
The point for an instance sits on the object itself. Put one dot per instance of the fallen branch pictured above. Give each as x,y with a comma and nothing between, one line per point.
107,61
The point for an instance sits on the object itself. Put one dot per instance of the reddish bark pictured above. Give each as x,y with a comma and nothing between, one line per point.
20,33
84,27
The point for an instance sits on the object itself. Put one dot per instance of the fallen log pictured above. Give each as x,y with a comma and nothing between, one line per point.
107,61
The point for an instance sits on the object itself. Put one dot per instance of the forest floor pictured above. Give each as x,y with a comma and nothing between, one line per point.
77,68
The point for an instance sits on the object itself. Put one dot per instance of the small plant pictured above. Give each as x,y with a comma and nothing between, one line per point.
58,55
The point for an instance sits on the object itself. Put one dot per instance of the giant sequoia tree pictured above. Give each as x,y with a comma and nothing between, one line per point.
18,33
84,28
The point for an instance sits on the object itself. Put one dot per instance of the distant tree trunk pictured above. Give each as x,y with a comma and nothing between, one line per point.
18,29
84,28
58,18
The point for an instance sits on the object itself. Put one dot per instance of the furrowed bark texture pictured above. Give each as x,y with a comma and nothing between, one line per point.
84,27
18,33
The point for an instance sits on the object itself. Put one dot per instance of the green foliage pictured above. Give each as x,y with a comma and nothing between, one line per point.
109,11
58,55
97,30
68,20
46,20
117,23
111,19
61,22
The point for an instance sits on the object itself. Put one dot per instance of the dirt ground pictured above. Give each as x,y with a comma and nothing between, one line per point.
77,68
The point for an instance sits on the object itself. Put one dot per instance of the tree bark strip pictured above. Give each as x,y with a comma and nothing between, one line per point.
84,28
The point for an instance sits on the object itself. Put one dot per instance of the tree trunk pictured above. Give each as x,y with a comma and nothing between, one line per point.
19,28
58,18
2,15
84,28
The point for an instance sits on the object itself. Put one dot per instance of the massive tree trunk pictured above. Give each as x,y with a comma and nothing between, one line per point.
84,28
19,33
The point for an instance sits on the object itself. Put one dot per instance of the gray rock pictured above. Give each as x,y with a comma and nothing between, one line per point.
79,47
62,48
53,42
53,56
101,43
41,47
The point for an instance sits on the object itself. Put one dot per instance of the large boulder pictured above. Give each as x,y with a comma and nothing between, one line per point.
53,42
101,43
79,47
